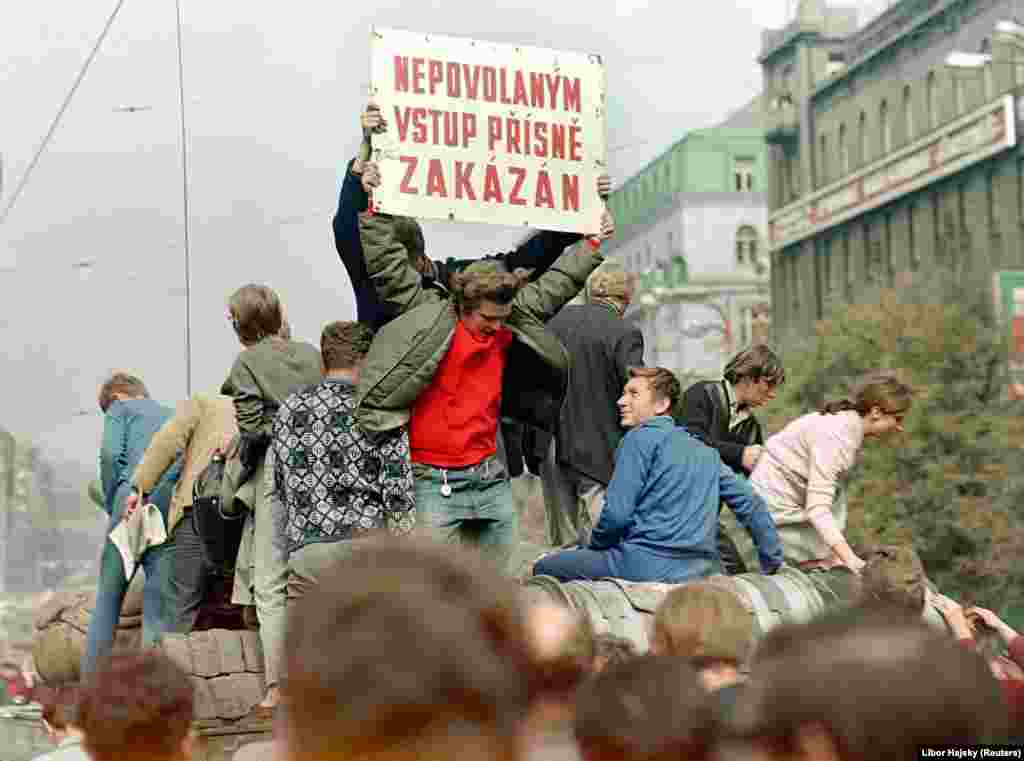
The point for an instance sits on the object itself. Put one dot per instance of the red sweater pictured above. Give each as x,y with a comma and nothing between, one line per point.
454,421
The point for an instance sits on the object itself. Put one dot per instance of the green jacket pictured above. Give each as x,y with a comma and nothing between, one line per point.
408,350
264,375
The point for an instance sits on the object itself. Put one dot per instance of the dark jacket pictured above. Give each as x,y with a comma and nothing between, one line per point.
538,253
602,347
408,350
704,412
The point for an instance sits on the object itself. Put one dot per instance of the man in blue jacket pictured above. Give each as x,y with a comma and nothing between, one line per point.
660,518
130,420
538,253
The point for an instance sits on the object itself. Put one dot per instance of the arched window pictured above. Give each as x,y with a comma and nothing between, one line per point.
746,246
863,138
931,101
844,151
908,114
884,130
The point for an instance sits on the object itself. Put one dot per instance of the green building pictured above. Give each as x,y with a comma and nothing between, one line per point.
693,225
893,154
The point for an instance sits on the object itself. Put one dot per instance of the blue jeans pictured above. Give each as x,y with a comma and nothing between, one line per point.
188,576
113,585
631,565
110,596
479,512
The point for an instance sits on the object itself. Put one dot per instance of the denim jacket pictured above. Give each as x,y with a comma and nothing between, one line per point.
664,495
128,427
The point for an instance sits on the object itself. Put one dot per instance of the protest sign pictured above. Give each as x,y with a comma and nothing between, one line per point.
482,132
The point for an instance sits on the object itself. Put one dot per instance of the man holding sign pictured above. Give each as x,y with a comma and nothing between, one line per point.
536,254
451,365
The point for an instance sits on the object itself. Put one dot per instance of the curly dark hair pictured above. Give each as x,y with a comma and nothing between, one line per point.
486,281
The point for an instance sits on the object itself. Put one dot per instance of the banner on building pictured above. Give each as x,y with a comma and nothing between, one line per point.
1009,300
963,142
482,132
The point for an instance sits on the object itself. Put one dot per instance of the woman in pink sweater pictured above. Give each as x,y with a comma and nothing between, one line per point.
803,470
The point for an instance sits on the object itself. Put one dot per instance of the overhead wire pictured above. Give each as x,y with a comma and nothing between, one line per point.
185,203
60,113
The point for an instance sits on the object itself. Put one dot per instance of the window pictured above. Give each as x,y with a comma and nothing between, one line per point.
746,245
848,274
1020,191
823,165
863,147
890,264
743,174
844,151
908,114
884,132
931,101
915,254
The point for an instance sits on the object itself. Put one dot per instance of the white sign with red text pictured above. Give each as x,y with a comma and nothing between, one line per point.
482,132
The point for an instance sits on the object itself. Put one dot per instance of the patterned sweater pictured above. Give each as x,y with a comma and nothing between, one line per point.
332,480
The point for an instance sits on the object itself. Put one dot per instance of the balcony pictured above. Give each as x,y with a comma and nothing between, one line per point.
781,121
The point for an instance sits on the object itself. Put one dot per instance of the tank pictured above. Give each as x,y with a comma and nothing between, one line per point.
626,609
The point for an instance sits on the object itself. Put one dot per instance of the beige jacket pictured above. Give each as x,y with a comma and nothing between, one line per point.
199,426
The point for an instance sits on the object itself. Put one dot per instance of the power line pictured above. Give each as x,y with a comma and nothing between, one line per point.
64,106
184,189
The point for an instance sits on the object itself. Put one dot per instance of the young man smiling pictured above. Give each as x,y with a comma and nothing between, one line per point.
660,519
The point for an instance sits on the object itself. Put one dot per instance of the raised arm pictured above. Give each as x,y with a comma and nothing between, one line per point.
559,285
399,285
752,513
351,201
163,448
542,250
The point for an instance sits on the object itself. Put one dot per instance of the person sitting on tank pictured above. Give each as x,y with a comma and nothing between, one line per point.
660,519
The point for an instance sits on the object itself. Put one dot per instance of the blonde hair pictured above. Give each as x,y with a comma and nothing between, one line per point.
702,620
611,284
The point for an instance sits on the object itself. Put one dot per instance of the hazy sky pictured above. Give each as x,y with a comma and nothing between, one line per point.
273,92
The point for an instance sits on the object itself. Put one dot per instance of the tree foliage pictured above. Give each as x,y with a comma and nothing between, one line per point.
953,484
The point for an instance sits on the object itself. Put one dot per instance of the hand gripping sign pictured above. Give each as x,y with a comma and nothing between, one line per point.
481,132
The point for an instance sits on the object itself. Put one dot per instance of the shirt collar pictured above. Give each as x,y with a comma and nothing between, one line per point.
659,421
730,395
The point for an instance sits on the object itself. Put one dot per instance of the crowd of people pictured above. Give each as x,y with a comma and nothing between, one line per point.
351,469
409,649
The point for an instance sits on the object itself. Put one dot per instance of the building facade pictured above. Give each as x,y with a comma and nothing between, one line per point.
693,225
893,153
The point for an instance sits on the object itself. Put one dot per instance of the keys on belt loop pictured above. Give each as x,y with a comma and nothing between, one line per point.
446,490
